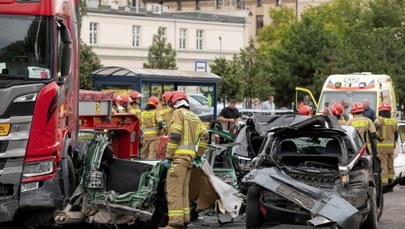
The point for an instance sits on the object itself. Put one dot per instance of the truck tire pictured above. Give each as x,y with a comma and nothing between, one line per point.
371,221
72,176
254,218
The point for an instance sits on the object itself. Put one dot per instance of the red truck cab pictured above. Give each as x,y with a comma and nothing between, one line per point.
39,88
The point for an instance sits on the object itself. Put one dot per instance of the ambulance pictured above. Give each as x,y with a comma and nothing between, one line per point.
355,87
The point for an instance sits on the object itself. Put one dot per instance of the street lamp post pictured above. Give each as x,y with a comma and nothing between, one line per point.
220,46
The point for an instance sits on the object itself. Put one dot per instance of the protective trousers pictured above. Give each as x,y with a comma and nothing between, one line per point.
177,187
386,155
149,148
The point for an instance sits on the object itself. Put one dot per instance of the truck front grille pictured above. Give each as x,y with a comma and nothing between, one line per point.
20,109
6,189
3,147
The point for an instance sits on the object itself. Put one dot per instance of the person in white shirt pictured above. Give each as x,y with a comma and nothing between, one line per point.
269,104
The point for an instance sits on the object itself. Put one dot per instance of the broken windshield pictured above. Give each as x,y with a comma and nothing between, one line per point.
25,47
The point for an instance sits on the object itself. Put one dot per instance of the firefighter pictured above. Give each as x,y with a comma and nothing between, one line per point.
386,137
165,110
361,123
152,125
304,110
337,111
115,103
134,106
123,104
188,139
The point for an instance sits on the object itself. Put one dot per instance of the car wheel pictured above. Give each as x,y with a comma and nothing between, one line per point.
371,221
254,218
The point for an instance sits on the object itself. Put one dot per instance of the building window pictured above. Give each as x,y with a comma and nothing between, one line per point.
218,3
259,23
259,3
136,36
183,39
93,33
164,33
200,39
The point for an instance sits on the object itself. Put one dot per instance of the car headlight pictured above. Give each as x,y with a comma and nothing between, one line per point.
26,98
38,168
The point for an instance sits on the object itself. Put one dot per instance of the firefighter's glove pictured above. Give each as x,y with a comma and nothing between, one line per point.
166,163
162,126
197,160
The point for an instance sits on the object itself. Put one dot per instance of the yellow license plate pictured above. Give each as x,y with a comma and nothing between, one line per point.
4,129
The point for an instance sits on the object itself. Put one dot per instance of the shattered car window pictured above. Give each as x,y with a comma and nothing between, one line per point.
309,145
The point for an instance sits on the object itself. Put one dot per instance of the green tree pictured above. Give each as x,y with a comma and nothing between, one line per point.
89,62
161,54
231,85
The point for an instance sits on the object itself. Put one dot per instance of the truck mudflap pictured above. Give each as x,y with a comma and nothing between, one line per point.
326,207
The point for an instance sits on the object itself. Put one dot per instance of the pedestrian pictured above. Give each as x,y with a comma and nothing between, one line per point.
368,112
165,110
269,104
345,105
229,115
256,104
305,110
188,139
361,123
152,126
135,106
386,138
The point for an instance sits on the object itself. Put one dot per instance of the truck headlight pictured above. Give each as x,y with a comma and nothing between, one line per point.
26,98
37,168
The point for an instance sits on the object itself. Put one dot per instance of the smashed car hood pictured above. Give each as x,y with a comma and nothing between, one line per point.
317,201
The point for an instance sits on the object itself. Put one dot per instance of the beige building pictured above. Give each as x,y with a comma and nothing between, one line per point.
121,35
256,11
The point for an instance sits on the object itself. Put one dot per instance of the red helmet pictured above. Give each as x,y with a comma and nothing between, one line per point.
153,100
176,96
124,100
135,95
305,110
357,108
384,107
166,96
116,97
338,109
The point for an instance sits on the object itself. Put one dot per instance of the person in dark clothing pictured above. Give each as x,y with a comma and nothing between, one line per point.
368,112
229,115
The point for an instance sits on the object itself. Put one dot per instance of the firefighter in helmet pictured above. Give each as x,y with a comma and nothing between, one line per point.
134,106
361,123
337,111
165,110
152,125
188,139
304,110
122,103
386,137
116,99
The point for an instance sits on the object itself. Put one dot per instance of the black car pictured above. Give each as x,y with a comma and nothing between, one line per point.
314,173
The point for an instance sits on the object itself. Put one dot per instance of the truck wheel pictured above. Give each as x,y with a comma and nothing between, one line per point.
254,218
72,176
371,221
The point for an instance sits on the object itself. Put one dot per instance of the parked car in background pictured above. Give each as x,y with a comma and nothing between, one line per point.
200,98
205,112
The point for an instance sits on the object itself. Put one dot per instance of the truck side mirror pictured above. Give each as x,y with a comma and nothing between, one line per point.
66,52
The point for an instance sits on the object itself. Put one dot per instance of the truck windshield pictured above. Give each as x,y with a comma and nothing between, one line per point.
25,47
332,97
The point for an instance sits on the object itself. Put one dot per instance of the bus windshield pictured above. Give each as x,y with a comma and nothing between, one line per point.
332,97
26,47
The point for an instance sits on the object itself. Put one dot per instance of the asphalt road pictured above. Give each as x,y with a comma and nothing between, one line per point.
393,216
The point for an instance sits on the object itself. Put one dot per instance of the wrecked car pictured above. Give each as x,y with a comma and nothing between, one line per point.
313,172
116,191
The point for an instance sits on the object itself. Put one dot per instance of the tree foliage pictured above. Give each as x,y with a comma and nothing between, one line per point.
341,36
231,85
89,62
161,54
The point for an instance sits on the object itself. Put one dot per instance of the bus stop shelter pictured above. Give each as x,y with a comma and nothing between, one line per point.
122,80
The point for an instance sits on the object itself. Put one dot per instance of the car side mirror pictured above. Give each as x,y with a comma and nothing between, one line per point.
66,60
